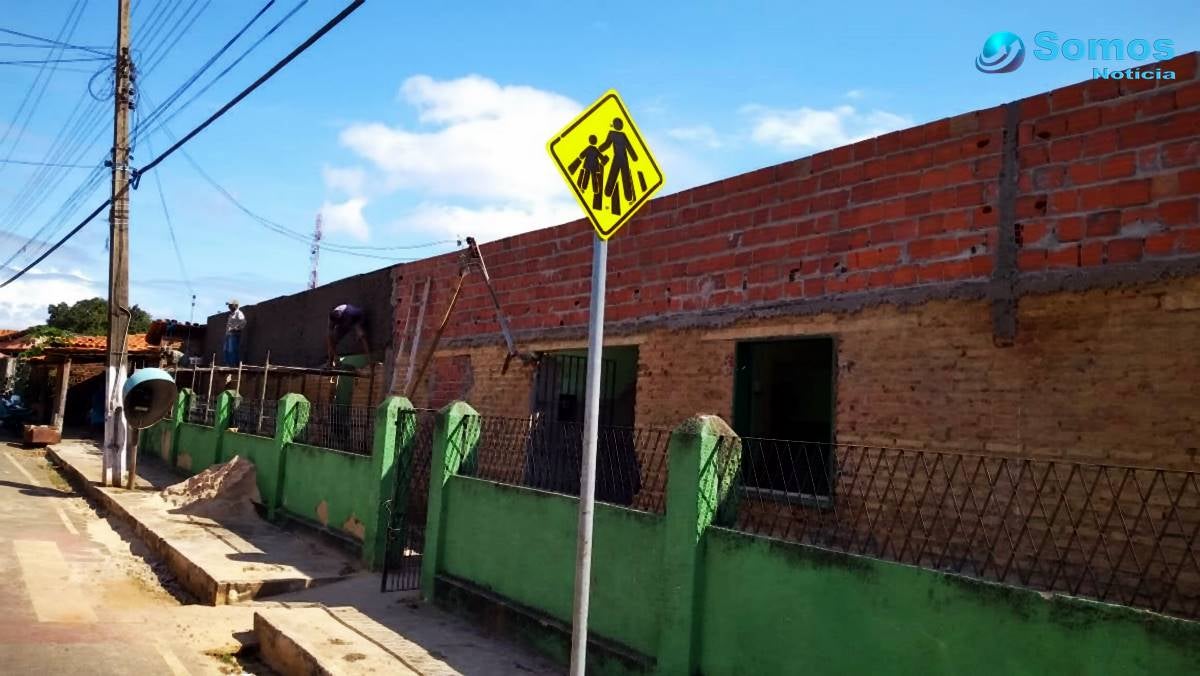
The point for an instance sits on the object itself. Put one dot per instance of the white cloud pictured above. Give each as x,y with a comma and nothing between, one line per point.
346,217
489,141
700,134
489,223
349,180
855,94
814,129
476,160
23,303
475,163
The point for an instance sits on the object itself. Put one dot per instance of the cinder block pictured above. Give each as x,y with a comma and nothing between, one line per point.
42,435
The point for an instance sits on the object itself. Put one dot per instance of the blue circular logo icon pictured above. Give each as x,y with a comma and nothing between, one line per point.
1003,52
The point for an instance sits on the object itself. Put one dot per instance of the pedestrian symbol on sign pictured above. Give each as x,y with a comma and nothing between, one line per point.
612,178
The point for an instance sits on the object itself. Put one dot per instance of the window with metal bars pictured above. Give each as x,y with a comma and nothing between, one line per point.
784,390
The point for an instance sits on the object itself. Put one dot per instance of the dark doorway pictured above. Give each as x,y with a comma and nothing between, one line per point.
554,448
784,390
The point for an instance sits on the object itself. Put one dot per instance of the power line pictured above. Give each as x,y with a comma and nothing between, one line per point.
68,147
172,37
34,62
27,45
72,146
61,69
49,164
279,228
203,125
67,30
54,43
171,230
170,100
230,67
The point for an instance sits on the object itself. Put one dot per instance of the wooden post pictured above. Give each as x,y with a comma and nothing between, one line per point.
133,453
212,369
412,355
64,381
262,397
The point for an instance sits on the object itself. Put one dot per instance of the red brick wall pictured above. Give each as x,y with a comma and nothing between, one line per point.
1110,172
1108,177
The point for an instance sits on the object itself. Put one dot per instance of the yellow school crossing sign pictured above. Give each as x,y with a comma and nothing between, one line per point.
605,160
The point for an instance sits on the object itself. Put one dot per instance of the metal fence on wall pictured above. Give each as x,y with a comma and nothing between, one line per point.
631,463
255,416
344,428
1117,534
201,411
408,503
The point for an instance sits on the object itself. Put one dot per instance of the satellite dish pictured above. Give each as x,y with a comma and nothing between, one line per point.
148,396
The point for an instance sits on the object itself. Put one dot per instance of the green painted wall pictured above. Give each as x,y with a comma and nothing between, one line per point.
150,439
197,447
263,452
520,543
329,487
769,607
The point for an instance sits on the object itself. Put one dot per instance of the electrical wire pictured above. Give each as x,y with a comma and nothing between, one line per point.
34,62
171,228
26,108
196,131
174,96
173,35
27,45
231,66
61,69
280,228
48,164
55,43
71,147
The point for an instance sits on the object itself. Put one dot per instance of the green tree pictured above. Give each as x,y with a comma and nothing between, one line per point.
90,317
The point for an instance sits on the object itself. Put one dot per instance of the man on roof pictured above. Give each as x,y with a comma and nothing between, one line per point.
233,333
344,319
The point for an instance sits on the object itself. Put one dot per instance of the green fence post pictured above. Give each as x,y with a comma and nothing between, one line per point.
383,473
168,445
291,414
227,403
454,440
692,503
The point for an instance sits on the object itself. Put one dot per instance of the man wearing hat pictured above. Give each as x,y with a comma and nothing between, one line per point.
233,333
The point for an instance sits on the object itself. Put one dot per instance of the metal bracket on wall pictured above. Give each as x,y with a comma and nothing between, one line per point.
469,260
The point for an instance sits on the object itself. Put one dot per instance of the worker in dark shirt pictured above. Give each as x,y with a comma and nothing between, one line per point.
342,320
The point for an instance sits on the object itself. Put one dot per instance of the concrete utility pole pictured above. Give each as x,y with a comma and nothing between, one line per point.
115,428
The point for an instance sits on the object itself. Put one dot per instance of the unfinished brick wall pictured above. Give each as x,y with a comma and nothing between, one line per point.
1101,376
900,246
680,375
1106,375
1107,179
1110,173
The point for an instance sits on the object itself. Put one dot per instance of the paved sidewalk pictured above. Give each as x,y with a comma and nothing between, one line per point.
418,633
238,558
80,596
343,626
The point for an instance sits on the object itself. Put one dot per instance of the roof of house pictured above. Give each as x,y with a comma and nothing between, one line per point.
173,330
76,345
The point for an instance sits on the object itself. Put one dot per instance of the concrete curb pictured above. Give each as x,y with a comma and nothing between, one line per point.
321,641
192,576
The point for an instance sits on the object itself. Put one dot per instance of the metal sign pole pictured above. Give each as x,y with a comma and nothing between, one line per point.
587,480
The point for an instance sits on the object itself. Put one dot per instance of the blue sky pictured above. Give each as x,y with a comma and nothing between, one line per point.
414,123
